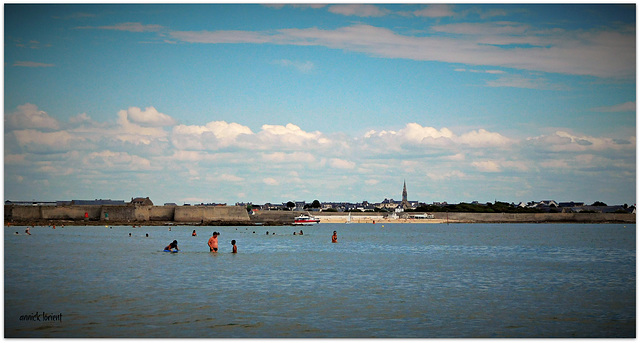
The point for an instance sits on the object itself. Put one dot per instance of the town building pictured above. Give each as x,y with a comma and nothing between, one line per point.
141,201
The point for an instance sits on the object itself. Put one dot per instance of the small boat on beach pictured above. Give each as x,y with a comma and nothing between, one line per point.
305,220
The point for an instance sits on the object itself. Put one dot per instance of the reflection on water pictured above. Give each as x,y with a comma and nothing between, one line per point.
405,280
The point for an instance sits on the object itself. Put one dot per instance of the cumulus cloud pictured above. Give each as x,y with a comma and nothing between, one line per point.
28,116
150,117
290,136
144,128
483,138
418,135
212,136
80,118
227,153
46,142
110,160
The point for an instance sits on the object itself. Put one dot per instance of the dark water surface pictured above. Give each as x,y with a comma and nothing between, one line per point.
396,280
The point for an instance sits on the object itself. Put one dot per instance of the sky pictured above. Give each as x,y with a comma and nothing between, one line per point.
230,103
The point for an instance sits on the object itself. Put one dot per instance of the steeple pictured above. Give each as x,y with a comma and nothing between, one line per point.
405,203
404,191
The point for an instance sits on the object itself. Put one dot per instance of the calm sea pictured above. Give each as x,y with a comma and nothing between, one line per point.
396,280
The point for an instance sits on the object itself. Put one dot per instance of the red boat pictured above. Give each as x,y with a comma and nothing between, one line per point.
305,220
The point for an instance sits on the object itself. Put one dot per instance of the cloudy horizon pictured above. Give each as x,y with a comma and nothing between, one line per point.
276,103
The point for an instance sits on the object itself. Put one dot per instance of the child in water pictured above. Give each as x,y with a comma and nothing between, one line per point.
235,248
172,245
334,238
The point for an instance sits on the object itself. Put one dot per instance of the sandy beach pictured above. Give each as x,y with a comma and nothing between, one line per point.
376,220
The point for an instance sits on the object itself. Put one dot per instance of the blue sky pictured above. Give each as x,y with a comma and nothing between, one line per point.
339,102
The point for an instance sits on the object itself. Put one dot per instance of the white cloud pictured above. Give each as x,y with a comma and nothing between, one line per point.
341,164
14,158
483,138
46,142
270,181
600,52
30,64
562,141
418,135
229,178
221,37
435,11
290,136
487,166
629,106
518,81
110,160
80,118
453,174
358,10
150,117
212,136
303,67
28,116
130,27
283,157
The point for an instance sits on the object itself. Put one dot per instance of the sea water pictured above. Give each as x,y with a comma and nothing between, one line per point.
391,280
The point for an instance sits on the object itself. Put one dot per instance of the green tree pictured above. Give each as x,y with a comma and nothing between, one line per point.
598,203
315,204
291,205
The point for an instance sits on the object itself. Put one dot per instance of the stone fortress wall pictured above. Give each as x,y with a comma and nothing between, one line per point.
220,215
127,213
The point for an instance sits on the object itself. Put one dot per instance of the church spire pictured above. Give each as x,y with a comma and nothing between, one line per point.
404,191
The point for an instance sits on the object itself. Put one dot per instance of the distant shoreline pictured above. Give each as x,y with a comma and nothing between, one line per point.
278,218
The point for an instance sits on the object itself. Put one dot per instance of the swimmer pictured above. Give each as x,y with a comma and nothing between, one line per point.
301,232
334,238
172,245
147,235
213,242
193,233
129,234
235,248
27,231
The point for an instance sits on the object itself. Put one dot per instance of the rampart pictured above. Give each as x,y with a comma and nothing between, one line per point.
127,214
232,215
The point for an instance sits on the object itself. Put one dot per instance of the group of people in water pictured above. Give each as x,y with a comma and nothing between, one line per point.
213,242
